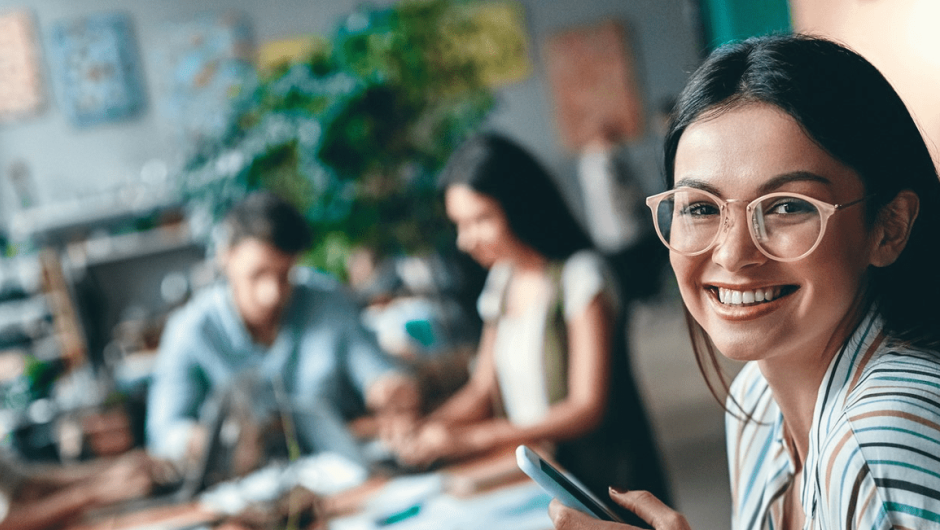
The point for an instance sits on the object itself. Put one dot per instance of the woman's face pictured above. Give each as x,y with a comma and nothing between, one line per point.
482,228
744,153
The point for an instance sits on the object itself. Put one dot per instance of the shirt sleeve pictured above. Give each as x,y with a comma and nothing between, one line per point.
176,391
583,277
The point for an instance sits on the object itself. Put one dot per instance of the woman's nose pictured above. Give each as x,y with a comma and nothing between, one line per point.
735,249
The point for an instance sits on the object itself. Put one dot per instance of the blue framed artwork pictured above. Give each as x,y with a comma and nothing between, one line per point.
201,63
97,70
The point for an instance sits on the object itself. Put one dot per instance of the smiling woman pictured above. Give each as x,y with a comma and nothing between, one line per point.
549,367
801,221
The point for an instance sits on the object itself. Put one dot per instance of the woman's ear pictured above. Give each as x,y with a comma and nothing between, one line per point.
893,227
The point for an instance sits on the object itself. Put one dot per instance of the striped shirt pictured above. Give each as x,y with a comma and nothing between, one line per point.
874,450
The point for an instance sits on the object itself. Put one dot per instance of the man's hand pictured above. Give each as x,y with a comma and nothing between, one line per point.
396,402
395,393
642,503
127,477
195,445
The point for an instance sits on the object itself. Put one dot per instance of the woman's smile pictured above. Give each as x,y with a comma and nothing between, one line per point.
755,307
747,303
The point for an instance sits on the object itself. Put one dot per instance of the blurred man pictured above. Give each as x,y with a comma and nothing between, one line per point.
286,339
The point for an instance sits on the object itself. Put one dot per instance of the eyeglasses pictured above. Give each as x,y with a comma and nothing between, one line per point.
783,226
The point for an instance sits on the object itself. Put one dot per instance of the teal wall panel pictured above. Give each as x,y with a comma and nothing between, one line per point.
726,20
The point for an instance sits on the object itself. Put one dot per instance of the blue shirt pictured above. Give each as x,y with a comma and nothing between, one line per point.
322,358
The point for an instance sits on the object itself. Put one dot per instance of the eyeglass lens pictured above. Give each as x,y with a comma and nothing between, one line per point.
783,226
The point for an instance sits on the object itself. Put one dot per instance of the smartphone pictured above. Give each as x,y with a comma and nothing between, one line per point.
561,487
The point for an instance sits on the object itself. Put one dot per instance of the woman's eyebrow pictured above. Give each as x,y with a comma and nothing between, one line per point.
697,184
793,176
771,185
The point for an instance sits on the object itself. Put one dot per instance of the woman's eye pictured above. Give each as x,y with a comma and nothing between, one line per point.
700,209
790,206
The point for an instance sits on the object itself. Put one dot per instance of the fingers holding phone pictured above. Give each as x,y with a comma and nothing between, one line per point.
642,503
565,518
652,510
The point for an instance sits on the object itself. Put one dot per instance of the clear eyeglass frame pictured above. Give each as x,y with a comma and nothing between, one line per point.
826,210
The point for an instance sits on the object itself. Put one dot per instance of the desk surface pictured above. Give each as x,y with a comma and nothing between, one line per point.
488,485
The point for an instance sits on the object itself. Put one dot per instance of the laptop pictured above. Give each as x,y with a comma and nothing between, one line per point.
195,478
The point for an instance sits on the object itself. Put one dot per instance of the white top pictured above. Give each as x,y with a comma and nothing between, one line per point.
517,351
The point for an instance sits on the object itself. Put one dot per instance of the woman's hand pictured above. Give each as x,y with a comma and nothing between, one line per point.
436,441
432,441
642,503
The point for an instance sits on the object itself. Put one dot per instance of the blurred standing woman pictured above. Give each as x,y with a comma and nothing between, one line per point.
547,369
802,224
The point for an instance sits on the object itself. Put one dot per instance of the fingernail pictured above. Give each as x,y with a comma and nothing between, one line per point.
617,491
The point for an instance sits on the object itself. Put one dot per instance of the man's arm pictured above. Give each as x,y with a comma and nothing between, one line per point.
50,497
176,392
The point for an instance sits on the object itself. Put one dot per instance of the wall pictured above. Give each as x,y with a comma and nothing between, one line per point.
67,162
900,37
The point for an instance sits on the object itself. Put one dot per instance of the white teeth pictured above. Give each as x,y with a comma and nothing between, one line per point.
730,297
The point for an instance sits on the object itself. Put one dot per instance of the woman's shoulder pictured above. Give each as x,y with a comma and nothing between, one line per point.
897,371
584,275
883,445
585,261
900,387
893,414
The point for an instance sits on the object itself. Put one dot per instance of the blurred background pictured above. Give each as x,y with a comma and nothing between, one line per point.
127,127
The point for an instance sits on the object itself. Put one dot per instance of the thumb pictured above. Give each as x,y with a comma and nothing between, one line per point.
652,510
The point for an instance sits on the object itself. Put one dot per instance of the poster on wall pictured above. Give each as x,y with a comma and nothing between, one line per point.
97,69
200,62
21,90
594,84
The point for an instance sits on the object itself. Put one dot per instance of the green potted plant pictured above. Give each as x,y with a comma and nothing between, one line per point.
356,132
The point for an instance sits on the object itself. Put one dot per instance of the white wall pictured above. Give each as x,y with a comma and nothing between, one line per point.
67,162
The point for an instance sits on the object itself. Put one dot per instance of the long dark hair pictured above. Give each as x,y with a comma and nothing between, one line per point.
849,109
537,214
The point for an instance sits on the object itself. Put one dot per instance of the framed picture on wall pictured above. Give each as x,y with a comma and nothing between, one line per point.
97,68
21,90
594,84
201,61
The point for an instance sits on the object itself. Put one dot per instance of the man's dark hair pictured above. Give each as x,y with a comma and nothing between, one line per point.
264,216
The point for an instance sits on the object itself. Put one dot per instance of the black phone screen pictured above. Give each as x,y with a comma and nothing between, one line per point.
590,503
